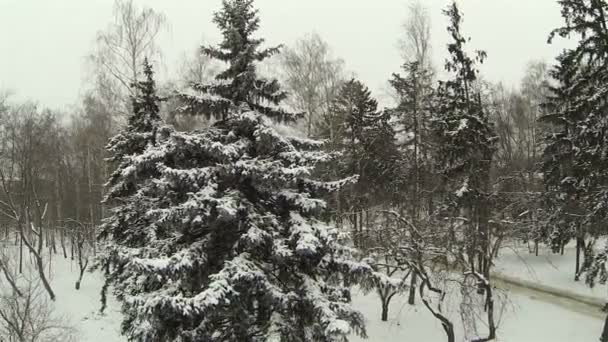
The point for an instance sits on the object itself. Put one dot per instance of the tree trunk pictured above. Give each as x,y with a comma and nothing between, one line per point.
10,279
20,254
449,331
80,276
354,220
78,201
104,177
45,282
72,244
82,264
309,123
577,268
604,337
361,226
385,299
412,295
384,311
91,201
62,238
58,209
36,252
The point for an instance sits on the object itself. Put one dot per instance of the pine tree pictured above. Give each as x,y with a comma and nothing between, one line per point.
222,237
239,84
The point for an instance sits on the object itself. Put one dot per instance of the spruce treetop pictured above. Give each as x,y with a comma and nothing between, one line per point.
358,106
415,92
145,102
459,63
239,84
141,131
465,135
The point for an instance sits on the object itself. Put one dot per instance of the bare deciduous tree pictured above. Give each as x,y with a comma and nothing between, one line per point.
194,68
122,47
197,68
312,77
81,234
29,317
5,269
24,160
415,44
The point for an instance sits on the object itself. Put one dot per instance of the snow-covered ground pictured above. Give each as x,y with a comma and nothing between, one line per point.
528,316
81,307
548,269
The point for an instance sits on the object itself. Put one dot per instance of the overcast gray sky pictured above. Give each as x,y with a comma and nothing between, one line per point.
43,42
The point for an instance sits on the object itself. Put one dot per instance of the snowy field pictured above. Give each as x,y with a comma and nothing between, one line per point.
528,316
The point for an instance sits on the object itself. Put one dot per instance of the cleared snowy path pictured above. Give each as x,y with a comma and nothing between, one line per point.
528,316
573,302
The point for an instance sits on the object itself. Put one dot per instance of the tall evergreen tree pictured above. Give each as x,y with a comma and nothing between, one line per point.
576,158
411,119
223,239
239,84
140,132
465,142
563,195
465,148
365,140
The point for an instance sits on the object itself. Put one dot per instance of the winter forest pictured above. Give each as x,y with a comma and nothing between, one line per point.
264,192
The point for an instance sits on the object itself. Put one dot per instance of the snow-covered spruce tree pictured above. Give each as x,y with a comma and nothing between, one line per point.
465,143
233,249
562,197
127,225
465,148
221,238
124,226
238,83
576,161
